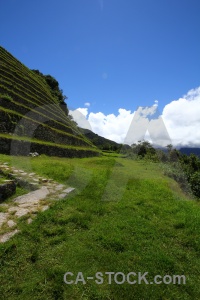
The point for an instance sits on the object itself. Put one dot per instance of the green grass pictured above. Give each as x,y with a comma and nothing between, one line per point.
124,216
34,140
2,179
74,138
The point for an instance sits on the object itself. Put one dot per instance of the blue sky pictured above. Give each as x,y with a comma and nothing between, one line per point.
113,54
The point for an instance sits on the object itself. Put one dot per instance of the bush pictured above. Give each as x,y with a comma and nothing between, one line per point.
195,183
175,171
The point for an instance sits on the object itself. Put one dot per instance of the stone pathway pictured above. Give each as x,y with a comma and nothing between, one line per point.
45,190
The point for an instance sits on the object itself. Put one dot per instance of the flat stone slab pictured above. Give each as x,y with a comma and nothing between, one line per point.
3,205
28,205
35,179
21,212
30,202
33,197
5,237
61,196
59,187
11,223
45,207
24,174
12,208
69,190
65,192
3,218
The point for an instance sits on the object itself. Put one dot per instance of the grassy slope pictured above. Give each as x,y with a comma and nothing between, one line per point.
25,92
100,141
125,216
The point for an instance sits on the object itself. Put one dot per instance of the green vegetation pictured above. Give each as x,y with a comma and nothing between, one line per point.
32,106
55,90
124,216
101,142
185,169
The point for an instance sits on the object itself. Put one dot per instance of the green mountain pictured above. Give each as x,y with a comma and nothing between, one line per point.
34,116
101,142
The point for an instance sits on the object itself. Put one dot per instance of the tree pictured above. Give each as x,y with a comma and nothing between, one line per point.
55,90
195,183
143,148
169,147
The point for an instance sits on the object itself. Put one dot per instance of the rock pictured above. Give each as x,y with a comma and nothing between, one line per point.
7,189
12,209
35,179
21,212
7,180
59,187
45,208
44,180
11,223
3,205
65,192
29,221
33,197
33,154
33,185
23,174
61,196
3,218
5,237
69,190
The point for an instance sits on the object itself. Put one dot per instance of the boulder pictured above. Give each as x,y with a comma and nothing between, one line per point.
7,189
34,154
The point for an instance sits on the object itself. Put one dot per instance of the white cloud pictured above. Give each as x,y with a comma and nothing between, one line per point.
87,104
179,123
182,119
84,111
113,127
79,115
155,103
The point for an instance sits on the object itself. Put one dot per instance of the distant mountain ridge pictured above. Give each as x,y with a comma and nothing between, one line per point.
188,151
33,118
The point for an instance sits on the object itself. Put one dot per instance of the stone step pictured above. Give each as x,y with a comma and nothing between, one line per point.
31,202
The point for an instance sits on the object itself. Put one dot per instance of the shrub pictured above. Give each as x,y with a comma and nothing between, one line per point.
175,171
195,183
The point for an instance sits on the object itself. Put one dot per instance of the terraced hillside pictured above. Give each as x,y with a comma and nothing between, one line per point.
31,117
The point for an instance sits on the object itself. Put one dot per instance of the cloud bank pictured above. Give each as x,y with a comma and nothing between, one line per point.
178,124
182,119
